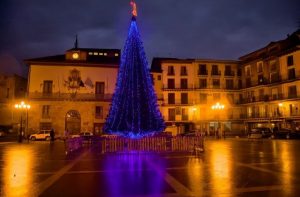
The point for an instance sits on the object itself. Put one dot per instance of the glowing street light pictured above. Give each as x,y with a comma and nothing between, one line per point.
218,107
22,106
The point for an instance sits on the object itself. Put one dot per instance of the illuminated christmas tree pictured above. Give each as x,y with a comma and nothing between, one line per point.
134,110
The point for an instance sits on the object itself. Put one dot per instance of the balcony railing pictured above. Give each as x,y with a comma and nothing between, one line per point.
215,73
202,72
69,96
229,73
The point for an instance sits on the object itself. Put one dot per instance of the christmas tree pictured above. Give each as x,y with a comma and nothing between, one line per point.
134,111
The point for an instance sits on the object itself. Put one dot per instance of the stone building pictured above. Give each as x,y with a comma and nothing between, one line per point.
12,90
188,88
72,91
261,89
271,84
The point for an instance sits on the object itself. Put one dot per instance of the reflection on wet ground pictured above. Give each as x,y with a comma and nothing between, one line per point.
231,167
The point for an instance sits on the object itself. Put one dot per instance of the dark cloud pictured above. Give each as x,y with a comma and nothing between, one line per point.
223,29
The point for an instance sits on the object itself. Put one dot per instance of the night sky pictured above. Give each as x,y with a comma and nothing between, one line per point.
221,29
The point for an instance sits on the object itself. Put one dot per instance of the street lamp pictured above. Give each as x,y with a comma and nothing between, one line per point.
218,107
22,106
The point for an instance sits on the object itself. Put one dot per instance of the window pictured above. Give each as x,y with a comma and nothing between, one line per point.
248,82
171,70
183,83
216,83
228,71
239,72
274,92
202,69
292,92
275,77
229,84
99,88
291,73
215,70
171,83
273,65
183,71
185,114
216,96
261,94
46,111
230,98
99,112
240,84
184,98
290,60
47,87
260,79
248,71
171,114
203,83
259,67
203,98
171,98
159,77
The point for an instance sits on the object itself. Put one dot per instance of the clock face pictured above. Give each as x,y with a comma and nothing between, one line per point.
75,55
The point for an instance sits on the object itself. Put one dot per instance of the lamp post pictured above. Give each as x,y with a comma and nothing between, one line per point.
22,106
218,107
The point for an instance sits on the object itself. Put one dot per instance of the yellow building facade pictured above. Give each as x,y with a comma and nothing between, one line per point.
261,89
71,92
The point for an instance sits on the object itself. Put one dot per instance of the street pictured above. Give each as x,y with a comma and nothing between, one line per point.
230,167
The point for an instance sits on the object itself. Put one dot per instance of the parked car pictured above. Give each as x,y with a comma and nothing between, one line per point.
260,132
285,133
42,135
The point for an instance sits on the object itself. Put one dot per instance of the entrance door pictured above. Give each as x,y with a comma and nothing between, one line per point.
73,122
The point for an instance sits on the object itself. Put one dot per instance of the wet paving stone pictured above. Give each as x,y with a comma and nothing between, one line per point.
231,167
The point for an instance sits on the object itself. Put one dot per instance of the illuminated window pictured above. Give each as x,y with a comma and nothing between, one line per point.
90,53
95,53
116,54
100,53
105,54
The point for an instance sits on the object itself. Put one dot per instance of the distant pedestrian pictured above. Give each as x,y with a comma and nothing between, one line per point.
52,134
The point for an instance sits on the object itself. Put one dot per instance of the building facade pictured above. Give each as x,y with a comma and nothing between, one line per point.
188,90
72,92
12,90
271,84
261,89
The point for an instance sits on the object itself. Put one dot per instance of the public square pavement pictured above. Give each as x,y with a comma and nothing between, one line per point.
231,167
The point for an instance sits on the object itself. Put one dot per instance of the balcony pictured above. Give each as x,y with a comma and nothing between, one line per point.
202,72
229,73
275,78
70,96
215,73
